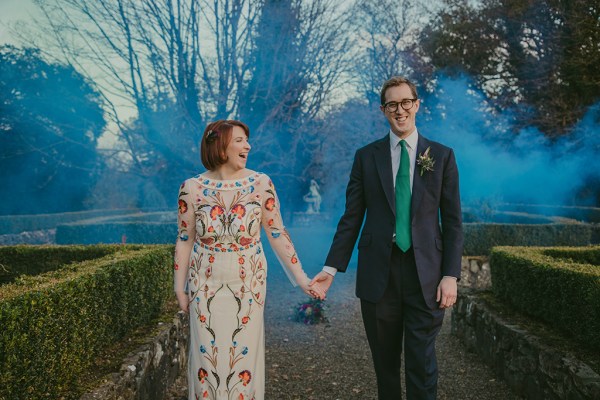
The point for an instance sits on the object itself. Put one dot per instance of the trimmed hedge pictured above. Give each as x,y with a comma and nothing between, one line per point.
585,214
34,260
160,227
475,215
23,223
480,238
115,232
56,323
561,286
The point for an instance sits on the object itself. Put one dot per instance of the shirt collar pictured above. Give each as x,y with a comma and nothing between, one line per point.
411,140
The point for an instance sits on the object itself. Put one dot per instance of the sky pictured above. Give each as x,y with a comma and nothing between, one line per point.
12,11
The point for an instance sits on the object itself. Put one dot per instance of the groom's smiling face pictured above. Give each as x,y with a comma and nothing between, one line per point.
402,122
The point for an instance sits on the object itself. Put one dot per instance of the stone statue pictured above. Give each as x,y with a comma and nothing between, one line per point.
313,198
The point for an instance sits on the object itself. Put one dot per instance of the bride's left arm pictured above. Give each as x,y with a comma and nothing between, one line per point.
280,239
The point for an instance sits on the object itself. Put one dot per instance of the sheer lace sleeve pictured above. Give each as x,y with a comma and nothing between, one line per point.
186,228
278,236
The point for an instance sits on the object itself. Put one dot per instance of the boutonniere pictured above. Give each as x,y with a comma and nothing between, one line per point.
425,161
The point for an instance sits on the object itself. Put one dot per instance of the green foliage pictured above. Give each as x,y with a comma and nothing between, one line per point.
116,232
23,223
585,214
55,324
34,260
540,55
559,286
584,255
480,238
50,120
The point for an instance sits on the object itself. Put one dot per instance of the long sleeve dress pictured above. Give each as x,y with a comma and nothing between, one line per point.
219,260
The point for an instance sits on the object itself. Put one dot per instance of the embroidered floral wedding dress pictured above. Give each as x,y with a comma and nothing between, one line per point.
219,225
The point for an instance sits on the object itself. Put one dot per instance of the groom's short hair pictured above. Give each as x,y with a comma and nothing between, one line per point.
397,81
215,140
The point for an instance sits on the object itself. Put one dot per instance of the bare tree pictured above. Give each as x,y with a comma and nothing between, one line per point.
176,64
387,32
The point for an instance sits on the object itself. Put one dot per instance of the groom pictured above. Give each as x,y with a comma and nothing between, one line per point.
408,266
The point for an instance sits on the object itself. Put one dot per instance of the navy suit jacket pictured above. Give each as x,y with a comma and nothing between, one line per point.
437,237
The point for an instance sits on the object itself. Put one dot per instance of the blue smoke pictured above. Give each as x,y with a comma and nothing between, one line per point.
496,163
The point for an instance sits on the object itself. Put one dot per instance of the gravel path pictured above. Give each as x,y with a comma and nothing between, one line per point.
332,361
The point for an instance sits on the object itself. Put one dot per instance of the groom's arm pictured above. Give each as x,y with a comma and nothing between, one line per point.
451,220
350,223
452,236
347,230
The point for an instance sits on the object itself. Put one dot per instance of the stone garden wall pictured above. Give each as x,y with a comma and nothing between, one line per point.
531,368
147,372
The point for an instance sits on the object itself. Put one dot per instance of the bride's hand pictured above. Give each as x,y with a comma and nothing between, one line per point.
182,299
312,291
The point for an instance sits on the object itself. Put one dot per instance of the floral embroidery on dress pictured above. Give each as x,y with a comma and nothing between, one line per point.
227,272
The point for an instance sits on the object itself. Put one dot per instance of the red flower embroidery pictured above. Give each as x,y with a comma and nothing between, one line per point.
242,273
242,228
245,377
211,259
184,224
202,374
207,241
271,222
241,260
239,209
205,394
294,260
203,318
176,267
216,211
270,203
241,397
182,206
244,241
208,271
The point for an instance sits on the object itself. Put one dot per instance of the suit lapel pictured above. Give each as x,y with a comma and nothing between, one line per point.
383,161
418,180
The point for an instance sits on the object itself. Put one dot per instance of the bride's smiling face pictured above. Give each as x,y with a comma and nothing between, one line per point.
237,149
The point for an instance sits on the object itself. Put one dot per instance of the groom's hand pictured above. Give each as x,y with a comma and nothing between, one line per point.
322,281
446,292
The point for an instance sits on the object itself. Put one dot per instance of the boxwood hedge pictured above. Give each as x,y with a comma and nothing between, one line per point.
56,323
561,286
34,260
480,238
22,223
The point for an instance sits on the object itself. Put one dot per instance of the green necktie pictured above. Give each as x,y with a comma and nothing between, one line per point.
403,200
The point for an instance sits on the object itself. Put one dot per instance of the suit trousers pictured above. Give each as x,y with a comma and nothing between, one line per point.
403,314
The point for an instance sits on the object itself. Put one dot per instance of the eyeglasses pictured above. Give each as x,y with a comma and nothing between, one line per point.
406,105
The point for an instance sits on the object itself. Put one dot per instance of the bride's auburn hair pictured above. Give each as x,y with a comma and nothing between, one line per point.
215,140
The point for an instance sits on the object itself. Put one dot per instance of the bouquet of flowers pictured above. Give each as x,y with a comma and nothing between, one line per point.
311,312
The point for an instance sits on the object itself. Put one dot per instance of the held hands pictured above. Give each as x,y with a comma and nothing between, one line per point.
321,283
446,292
315,293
